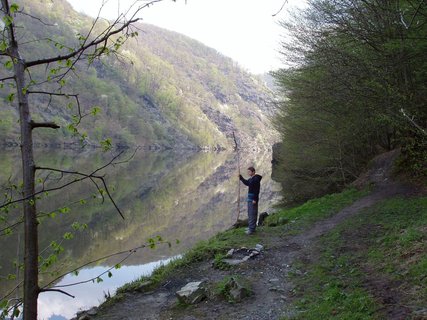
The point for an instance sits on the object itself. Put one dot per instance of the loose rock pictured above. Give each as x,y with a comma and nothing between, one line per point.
192,292
259,247
239,289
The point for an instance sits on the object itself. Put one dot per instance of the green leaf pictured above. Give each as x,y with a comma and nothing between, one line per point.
64,210
59,45
8,20
8,64
117,266
75,118
3,304
14,7
106,144
110,274
68,236
10,97
11,276
95,110
98,280
3,45
16,312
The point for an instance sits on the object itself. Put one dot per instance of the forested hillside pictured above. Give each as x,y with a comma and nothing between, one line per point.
159,88
355,87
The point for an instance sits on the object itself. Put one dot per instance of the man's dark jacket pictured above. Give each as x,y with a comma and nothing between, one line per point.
254,184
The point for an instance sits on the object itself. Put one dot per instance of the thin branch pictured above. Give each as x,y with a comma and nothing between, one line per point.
8,78
12,291
99,275
79,51
36,18
281,8
415,14
66,95
85,176
111,198
99,40
57,290
129,253
11,226
411,120
11,26
128,159
51,125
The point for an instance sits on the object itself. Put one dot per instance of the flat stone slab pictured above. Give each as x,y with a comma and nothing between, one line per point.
192,292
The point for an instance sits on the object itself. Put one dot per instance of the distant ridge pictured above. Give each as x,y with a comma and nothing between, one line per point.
164,90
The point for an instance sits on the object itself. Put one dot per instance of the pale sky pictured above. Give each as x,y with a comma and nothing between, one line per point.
243,30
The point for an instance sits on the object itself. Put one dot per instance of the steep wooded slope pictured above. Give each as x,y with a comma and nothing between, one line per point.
163,88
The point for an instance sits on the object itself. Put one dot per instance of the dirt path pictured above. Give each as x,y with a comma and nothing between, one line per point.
268,272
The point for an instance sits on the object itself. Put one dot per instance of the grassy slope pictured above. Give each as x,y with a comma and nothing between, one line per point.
217,246
380,248
385,241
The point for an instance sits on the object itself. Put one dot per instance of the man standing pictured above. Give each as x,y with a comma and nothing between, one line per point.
254,184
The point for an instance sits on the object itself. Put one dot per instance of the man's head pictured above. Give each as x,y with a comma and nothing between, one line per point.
251,171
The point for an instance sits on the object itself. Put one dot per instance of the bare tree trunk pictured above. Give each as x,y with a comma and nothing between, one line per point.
31,288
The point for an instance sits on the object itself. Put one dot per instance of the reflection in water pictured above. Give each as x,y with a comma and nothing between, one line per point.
188,197
90,294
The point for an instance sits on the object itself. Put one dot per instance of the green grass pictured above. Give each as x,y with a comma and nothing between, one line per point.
214,248
389,240
304,216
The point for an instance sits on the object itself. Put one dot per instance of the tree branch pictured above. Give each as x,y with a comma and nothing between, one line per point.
57,290
82,48
35,18
8,78
98,40
129,253
411,120
84,177
281,8
66,95
51,125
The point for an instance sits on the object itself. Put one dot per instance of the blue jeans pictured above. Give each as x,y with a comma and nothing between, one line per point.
252,215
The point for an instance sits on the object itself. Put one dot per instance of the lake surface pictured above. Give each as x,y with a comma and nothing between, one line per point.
182,196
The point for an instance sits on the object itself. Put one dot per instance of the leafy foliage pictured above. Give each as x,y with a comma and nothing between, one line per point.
354,66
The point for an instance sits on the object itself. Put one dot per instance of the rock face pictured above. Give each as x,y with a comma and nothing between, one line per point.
192,292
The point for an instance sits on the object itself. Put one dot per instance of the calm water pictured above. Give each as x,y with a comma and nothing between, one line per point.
178,196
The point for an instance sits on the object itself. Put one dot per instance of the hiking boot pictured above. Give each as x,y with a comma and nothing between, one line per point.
248,232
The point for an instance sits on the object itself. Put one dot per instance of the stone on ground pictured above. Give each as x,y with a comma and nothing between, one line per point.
192,292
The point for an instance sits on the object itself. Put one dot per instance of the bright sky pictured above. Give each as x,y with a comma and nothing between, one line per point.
241,29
